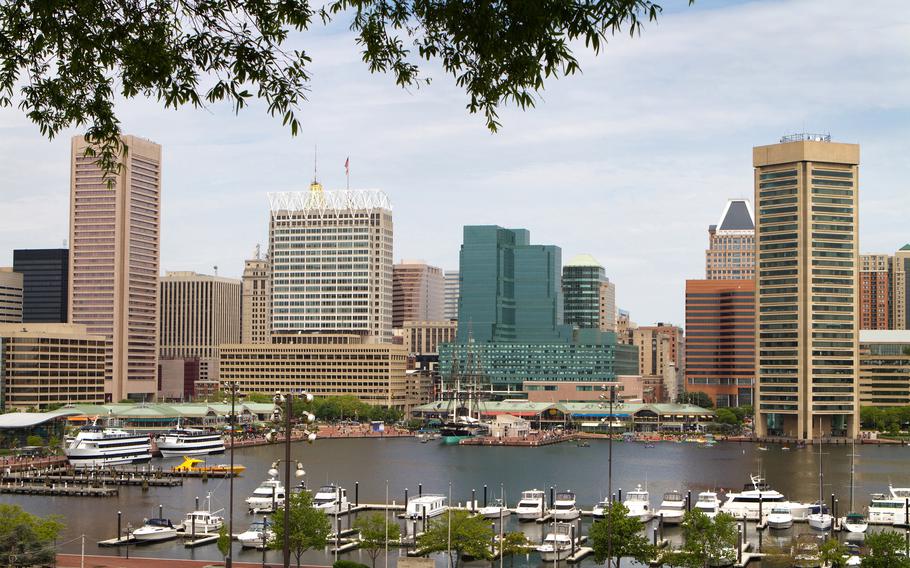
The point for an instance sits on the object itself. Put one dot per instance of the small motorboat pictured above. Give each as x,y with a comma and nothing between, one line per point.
496,509
780,518
257,536
583,444
155,530
600,510
557,545
762,449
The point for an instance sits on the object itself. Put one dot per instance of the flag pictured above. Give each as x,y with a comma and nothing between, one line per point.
347,168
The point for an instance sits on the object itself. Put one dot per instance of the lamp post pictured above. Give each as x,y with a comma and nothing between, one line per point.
308,418
611,397
229,559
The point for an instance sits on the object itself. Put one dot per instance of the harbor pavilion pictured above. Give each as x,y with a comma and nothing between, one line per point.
636,417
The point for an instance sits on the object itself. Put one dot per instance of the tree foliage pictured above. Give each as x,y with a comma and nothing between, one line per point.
626,533
697,398
376,530
65,63
885,419
224,541
471,535
308,527
26,539
705,540
832,552
885,549
513,543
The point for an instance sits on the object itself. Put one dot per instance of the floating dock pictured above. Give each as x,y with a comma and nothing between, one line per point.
59,490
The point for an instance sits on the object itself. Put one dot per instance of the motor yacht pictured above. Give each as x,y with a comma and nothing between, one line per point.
426,505
203,521
266,498
331,499
557,545
155,530
97,446
530,506
257,536
889,509
564,508
638,503
672,508
189,442
600,510
758,495
708,503
780,517
496,509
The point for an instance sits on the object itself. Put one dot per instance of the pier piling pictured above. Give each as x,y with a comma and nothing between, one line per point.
620,494
420,489
688,500
473,500
406,498
357,494
485,495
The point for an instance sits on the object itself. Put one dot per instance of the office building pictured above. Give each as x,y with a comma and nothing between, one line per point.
731,243
875,292
256,301
806,194
901,288
50,364
884,368
589,298
451,294
10,296
658,346
45,277
418,293
625,327
114,255
331,262
424,337
323,365
720,340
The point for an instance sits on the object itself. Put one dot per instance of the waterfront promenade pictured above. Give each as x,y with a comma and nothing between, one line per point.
98,561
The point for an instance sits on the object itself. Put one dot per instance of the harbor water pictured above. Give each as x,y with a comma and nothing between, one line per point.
404,463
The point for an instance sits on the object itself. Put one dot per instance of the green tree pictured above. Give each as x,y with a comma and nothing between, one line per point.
832,553
307,528
470,535
26,539
66,62
726,416
224,541
621,534
513,543
34,440
697,398
885,550
704,540
376,530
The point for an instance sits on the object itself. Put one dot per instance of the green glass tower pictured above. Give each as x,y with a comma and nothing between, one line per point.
582,280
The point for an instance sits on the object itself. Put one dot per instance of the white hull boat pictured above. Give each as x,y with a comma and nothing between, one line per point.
530,506
494,510
331,499
780,518
564,508
95,446
257,536
708,503
189,442
267,498
557,545
638,503
672,508
155,530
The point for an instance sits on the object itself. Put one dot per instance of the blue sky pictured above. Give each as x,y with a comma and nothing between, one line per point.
629,162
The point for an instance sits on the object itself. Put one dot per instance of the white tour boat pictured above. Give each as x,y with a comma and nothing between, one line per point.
203,521
758,495
780,517
155,530
426,505
672,508
564,508
266,498
708,503
331,499
496,509
96,446
638,503
530,506
189,442
889,509
557,545
257,536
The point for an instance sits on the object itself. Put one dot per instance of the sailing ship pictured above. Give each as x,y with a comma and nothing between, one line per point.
465,397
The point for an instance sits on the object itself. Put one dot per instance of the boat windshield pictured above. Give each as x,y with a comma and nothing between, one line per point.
327,489
673,497
707,498
900,493
780,511
159,523
633,496
565,506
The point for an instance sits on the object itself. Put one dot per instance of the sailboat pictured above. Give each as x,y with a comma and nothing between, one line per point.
459,427
854,522
819,519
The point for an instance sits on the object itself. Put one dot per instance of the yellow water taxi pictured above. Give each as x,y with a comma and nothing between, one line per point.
195,464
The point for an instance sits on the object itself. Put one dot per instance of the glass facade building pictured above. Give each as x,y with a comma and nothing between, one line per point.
45,275
582,282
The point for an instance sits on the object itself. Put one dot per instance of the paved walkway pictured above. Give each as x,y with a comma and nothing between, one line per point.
92,561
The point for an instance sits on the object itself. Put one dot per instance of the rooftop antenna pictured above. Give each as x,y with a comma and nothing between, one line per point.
216,269
315,162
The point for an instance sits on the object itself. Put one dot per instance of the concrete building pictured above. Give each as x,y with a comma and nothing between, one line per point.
256,301
660,349
10,296
114,255
45,277
624,327
884,368
806,191
589,298
901,288
324,365
875,291
720,340
331,262
418,293
424,337
451,294
50,364
731,243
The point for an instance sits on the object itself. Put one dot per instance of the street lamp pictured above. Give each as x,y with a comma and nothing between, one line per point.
611,397
229,559
308,418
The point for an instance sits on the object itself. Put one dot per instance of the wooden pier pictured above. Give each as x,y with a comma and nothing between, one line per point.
58,490
93,480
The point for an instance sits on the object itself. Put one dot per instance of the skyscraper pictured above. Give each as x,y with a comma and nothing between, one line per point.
901,288
720,340
875,292
418,293
806,191
45,277
589,298
256,301
10,296
451,294
731,243
331,262
114,255
198,313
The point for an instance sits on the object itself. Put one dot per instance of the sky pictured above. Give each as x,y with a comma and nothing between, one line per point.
629,161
